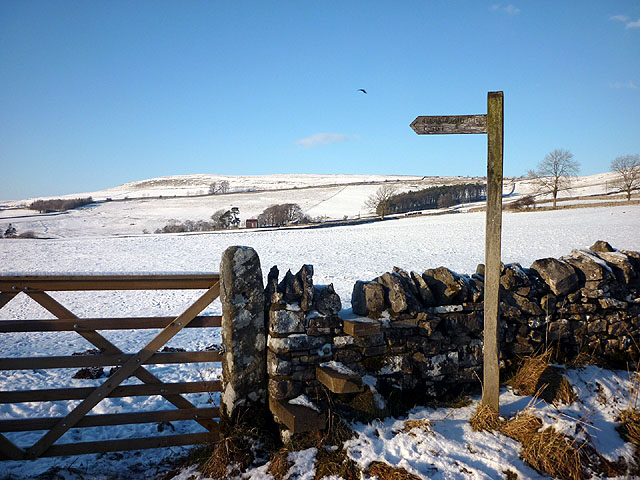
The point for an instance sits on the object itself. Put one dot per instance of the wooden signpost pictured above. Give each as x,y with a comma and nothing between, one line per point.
493,125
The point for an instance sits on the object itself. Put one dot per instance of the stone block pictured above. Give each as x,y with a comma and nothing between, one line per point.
347,356
244,363
296,342
277,366
369,340
597,326
601,246
612,303
285,322
374,351
559,276
618,329
297,418
620,264
398,292
284,388
368,299
338,382
327,301
447,287
360,328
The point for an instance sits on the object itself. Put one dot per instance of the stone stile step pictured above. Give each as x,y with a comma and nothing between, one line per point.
339,382
362,328
297,418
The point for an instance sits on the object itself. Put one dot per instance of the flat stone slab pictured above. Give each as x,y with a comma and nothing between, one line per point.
339,382
361,328
297,418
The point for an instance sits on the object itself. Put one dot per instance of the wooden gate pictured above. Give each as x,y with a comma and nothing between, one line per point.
36,287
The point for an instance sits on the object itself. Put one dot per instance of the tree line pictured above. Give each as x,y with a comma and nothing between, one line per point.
441,196
59,204
551,176
387,201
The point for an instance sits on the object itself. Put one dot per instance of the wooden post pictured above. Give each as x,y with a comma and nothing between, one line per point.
493,125
495,142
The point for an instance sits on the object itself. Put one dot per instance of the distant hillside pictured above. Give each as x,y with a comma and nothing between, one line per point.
144,206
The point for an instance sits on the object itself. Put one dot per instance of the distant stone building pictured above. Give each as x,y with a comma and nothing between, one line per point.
252,223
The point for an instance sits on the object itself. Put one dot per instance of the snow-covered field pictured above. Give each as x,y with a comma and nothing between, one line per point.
340,255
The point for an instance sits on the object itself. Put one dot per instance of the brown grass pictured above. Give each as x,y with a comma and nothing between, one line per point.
485,418
630,427
384,471
336,463
280,464
537,378
231,456
547,451
409,425
328,462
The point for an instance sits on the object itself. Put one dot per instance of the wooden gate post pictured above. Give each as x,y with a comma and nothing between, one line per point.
244,339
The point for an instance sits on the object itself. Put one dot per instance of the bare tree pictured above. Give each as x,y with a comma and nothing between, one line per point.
223,187
379,202
628,170
554,173
218,187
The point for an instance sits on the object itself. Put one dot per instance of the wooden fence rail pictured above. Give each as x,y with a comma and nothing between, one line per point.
36,287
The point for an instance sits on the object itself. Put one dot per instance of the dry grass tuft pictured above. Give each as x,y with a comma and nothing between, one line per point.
485,418
517,427
384,471
630,426
280,464
338,431
547,451
537,378
337,464
584,359
230,456
424,425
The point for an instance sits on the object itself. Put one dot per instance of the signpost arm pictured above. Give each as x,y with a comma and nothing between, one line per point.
495,142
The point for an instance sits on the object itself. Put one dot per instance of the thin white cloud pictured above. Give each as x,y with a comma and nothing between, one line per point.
635,24
628,84
508,9
318,139
625,19
619,18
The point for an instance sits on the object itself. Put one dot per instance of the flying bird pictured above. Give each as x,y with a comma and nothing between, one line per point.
362,90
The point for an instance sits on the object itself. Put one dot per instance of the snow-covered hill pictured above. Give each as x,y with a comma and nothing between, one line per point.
144,206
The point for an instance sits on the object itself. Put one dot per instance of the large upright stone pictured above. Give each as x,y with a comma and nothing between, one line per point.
367,299
447,286
560,276
244,363
327,301
304,287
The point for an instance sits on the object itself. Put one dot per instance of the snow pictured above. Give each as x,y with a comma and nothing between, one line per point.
304,401
338,367
87,243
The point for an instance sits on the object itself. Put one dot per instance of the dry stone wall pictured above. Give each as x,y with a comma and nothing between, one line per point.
422,332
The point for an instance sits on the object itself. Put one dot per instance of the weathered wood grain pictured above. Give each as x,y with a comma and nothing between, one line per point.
450,124
493,233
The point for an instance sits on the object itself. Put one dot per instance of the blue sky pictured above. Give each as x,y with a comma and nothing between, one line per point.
95,94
